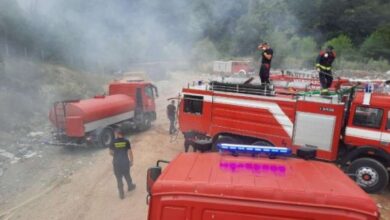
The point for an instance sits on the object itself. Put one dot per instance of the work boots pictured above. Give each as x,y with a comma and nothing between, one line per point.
121,194
131,187
324,92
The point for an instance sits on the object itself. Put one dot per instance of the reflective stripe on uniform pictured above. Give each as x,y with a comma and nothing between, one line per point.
323,67
120,145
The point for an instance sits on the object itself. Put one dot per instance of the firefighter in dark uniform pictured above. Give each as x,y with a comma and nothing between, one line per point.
122,161
324,68
189,141
267,54
171,114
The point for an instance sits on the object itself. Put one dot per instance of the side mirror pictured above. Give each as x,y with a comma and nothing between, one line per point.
151,177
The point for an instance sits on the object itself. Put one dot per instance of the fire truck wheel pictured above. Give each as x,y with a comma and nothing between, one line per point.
146,124
223,139
242,72
369,174
106,137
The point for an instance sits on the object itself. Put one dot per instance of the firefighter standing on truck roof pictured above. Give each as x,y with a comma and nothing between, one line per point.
324,68
122,161
171,114
267,54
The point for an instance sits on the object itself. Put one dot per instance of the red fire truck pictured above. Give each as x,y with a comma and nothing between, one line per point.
129,103
216,186
352,131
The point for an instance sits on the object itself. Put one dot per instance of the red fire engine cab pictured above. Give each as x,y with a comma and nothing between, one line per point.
216,186
129,103
352,130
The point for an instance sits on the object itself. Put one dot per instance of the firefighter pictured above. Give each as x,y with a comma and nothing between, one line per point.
267,54
171,114
122,161
187,143
324,68
191,140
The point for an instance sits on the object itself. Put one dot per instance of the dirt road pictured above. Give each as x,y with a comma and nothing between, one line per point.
89,190
79,183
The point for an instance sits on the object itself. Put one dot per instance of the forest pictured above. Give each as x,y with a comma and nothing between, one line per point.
91,34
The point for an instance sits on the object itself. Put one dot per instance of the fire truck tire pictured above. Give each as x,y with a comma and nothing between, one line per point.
369,174
242,72
223,139
106,137
145,124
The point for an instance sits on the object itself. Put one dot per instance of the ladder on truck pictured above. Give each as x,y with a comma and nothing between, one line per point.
60,116
263,89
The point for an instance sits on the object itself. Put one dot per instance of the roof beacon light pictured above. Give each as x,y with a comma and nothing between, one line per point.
254,149
369,88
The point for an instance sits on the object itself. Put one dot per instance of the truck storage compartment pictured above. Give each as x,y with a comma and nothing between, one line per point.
318,124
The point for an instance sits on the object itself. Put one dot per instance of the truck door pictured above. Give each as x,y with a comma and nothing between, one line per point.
149,104
385,137
364,128
195,113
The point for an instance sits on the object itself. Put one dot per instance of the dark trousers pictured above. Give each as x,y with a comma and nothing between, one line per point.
121,171
172,128
187,144
326,79
264,73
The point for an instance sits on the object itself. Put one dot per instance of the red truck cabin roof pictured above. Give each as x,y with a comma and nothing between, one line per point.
121,87
214,186
376,99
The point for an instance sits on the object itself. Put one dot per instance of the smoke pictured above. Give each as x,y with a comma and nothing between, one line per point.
109,36
112,34
96,35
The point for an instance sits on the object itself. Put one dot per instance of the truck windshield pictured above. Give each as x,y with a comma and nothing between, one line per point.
149,91
388,121
368,117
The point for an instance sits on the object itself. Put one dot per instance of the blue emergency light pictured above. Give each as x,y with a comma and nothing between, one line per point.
369,88
254,149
